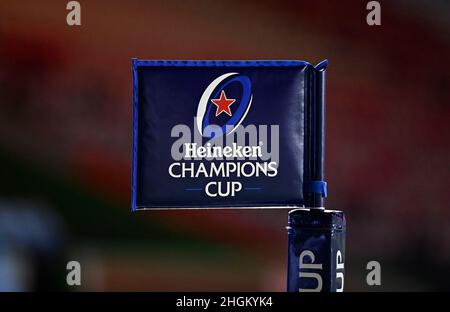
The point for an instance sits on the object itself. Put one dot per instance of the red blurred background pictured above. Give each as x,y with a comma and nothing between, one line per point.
65,143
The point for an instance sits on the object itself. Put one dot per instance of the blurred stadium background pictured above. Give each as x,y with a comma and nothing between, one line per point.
65,143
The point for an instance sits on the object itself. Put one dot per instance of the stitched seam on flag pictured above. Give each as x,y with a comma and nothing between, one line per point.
135,136
224,63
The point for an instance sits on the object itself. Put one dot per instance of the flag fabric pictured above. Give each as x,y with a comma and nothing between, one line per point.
227,134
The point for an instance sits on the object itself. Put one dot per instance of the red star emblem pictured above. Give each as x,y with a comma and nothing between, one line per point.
223,104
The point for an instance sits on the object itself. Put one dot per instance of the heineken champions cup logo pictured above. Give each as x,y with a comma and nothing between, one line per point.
222,104
221,146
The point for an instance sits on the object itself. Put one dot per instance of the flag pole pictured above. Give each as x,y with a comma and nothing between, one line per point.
316,237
